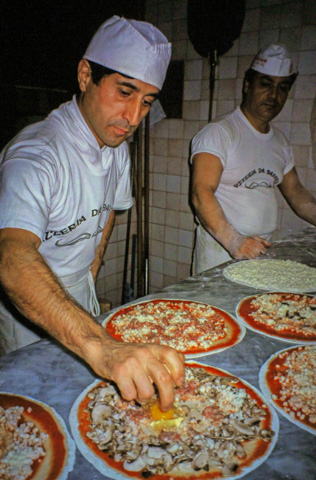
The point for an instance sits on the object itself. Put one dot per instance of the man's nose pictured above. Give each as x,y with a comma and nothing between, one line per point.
273,91
132,112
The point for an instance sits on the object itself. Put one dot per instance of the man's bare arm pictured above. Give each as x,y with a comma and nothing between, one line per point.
300,200
36,291
96,264
206,174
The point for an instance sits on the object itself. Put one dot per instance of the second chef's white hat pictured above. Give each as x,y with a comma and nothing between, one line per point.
133,48
274,59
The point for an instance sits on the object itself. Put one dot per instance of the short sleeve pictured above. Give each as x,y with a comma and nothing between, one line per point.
25,193
214,139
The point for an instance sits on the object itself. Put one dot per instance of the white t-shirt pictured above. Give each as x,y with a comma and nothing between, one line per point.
253,165
56,182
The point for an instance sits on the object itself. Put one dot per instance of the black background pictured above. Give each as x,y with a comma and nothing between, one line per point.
42,41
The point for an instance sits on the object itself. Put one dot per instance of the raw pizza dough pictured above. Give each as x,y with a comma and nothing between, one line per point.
270,274
288,381
58,446
192,443
193,328
287,316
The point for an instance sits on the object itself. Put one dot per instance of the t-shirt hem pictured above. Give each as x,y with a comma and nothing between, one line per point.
123,207
207,150
28,228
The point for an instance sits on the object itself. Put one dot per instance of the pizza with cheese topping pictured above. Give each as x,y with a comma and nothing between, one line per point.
288,316
192,328
271,274
219,427
288,380
34,442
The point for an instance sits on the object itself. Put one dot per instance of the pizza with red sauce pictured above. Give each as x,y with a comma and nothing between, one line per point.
288,316
219,427
193,328
288,380
34,442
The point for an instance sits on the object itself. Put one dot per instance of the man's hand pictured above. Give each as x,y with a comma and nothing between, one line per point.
135,367
248,247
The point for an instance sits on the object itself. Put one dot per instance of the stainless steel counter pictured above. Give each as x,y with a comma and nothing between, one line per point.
47,372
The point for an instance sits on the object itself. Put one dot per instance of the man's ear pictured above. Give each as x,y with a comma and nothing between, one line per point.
245,86
84,74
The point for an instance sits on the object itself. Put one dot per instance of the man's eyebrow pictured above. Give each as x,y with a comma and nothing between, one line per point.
136,89
268,77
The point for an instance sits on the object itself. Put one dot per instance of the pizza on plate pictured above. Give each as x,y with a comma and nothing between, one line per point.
192,328
219,426
288,316
34,442
288,380
271,274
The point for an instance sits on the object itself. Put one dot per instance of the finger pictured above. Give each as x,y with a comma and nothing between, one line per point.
127,388
262,241
164,383
174,363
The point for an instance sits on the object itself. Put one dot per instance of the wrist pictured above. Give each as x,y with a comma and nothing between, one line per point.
230,238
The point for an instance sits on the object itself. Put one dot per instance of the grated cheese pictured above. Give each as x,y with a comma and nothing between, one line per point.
298,392
189,326
270,274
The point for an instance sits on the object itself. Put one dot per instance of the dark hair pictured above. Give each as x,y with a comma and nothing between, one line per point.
250,74
99,71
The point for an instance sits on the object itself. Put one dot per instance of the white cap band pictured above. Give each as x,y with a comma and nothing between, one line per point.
133,48
275,60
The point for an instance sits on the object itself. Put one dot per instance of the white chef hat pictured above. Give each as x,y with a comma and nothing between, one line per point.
273,59
133,48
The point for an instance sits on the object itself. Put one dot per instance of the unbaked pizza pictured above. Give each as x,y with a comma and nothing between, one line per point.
34,442
288,380
219,426
192,328
270,274
288,316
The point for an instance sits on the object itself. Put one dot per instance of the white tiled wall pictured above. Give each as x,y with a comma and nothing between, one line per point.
172,224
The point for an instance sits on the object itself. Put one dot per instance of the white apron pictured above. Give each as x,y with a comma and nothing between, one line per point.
208,253
16,333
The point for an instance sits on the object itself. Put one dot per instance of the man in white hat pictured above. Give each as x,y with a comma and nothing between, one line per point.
61,181
238,160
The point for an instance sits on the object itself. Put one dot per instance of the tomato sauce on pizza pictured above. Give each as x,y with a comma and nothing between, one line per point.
288,316
290,377
189,327
56,451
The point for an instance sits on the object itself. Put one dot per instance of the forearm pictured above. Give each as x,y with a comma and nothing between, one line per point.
304,205
213,219
96,264
37,293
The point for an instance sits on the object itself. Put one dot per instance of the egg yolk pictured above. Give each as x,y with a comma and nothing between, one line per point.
158,414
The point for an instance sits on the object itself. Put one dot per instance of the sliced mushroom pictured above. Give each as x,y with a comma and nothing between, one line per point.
241,427
104,439
200,460
100,412
135,466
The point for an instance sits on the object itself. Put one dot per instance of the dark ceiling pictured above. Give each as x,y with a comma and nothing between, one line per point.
43,40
